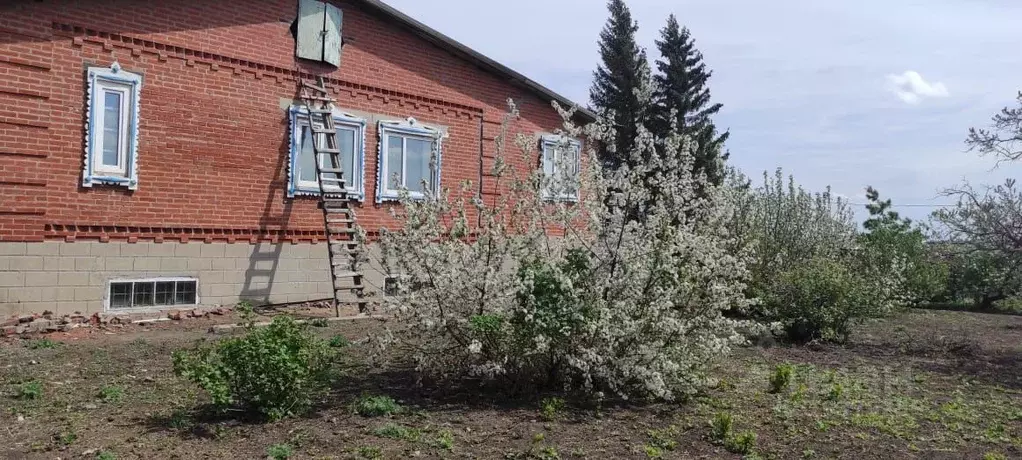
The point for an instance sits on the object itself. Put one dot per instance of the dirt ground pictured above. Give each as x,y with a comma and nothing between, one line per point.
925,385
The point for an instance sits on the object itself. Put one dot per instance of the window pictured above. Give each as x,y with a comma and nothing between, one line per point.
318,36
158,292
410,155
350,141
111,127
560,163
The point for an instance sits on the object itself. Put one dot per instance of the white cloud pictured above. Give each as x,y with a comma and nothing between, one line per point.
912,88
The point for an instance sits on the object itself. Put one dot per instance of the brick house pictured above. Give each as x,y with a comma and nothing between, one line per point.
151,153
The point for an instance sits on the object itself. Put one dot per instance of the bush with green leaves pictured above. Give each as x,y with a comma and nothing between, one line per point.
781,377
375,406
821,299
278,370
622,293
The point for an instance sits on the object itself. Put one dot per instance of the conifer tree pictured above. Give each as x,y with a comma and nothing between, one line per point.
682,99
623,66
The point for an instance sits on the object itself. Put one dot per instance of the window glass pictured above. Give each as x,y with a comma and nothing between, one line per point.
417,161
111,128
394,170
306,157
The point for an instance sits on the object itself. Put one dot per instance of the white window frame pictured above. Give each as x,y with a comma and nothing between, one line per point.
386,190
99,82
108,301
354,186
555,144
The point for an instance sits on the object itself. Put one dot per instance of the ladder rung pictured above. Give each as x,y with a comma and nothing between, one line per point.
325,150
341,230
315,86
330,170
321,110
318,98
340,221
316,129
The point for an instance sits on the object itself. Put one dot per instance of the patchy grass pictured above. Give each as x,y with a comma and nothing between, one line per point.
923,385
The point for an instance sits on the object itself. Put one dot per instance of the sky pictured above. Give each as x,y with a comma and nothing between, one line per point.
838,93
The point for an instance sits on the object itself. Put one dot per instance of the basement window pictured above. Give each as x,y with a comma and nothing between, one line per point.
560,162
409,159
111,127
318,34
302,160
154,292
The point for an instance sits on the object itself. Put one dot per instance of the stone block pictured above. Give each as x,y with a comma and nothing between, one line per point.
75,249
175,264
106,249
237,250
12,279
41,279
48,248
25,263
214,277
73,279
188,249
198,264
118,264
88,264
25,294
13,249
212,250
86,294
222,264
145,263
163,249
64,294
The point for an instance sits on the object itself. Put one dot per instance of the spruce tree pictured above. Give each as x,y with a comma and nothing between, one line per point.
682,99
615,80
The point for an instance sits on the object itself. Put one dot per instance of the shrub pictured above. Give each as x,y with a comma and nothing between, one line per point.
106,455
550,407
820,300
630,301
30,390
277,371
722,427
281,451
375,406
781,377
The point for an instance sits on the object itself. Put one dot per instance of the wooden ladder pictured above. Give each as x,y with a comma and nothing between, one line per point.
338,217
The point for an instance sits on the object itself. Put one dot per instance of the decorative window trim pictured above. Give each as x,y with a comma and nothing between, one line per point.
341,119
410,128
107,297
96,78
549,141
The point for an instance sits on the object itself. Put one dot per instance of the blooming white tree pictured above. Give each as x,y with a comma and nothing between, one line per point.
617,293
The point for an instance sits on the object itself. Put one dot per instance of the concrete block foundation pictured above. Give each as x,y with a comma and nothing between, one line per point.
67,277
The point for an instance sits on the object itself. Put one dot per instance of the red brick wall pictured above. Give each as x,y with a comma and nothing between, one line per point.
213,143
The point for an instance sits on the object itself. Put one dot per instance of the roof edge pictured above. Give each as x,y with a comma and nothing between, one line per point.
477,58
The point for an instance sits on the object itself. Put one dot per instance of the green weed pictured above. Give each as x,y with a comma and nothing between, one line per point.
42,344
550,407
282,451
106,455
339,341
395,431
111,393
445,440
781,377
375,406
30,390
319,322
370,452
722,426
742,443
664,439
